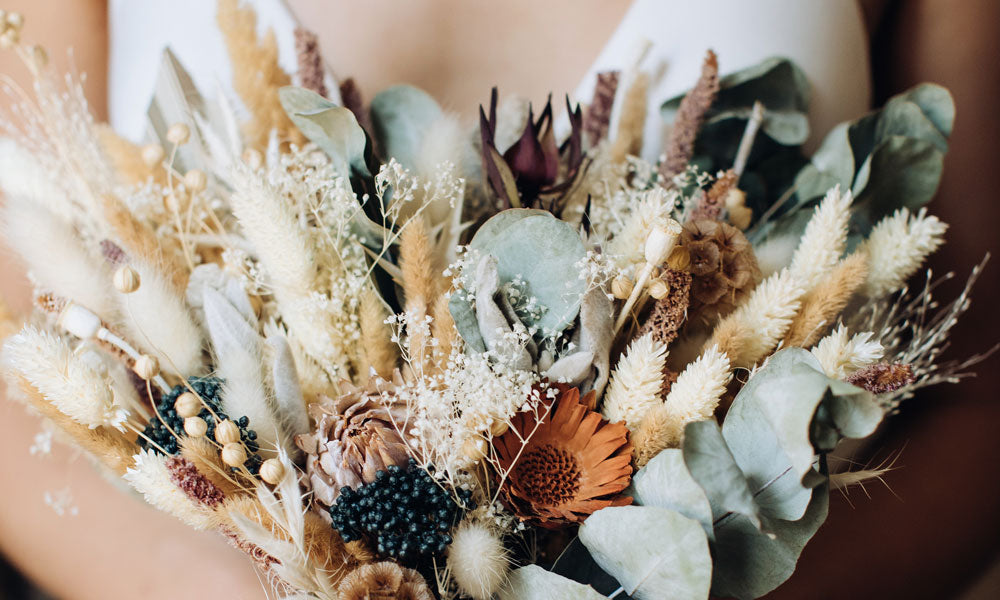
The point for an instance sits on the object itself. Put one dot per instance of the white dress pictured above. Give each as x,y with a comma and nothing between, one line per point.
824,37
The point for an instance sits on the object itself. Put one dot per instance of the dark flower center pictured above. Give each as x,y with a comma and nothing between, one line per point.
548,474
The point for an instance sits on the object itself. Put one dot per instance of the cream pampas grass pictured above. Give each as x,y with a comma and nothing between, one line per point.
151,478
379,353
841,354
636,383
822,306
897,246
632,118
23,176
57,259
824,239
66,380
477,561
157,319
751,331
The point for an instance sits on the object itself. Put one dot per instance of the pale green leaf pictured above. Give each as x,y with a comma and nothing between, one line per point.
666,483
401,116
532,582
333,128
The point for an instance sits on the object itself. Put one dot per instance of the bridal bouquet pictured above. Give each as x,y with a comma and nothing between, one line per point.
391,356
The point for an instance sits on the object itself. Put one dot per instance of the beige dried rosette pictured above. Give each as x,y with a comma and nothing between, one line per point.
384,581
356,436
723,266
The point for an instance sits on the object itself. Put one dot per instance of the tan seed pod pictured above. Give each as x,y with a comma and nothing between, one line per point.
658,289
621,287
178,134
679,259
126,279
271,471
499,427
227,432
195,426
153,155
475,449
187,405
147,367
234,454
195,180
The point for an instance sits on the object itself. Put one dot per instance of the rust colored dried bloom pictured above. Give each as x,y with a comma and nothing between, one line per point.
191,481
573,463
712,202
384,581
690,115
723,266
310,61
882,378
356,436
598,116
668,314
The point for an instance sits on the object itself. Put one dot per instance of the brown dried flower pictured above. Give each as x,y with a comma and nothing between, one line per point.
384,581
723,266
690,115
882,378
598,116
572,463
712,202
669,312
356,436
193,483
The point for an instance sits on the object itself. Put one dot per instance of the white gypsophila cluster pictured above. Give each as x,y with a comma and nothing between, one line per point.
150,477
66,380
636,383
824,239
696,393
896,248
914,330
841,354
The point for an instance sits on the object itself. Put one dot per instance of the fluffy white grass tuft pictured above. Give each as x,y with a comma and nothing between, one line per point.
841,354
896,248
824,239
478,561
636,383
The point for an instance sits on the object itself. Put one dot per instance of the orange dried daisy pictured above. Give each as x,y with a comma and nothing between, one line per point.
573,463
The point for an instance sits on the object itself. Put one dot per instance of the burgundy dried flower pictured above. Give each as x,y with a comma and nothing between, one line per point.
882,378
193,483
598,117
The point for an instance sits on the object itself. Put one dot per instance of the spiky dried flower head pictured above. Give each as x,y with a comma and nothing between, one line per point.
477,560
563,462
690,116
385,580
636,383
882,377
669,312
356,436
723,266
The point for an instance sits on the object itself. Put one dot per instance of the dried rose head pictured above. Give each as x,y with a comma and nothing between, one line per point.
357,435
573,463
723,266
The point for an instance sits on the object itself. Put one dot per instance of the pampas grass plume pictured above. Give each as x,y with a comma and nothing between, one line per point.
379,352
896,248
824,239
151,478
822,306
636,383
632,120
478,561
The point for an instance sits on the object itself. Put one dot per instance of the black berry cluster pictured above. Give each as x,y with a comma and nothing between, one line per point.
162,430
403,512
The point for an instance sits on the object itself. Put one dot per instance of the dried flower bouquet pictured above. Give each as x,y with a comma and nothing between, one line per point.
392,357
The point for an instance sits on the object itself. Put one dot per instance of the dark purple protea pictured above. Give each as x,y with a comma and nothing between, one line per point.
534,172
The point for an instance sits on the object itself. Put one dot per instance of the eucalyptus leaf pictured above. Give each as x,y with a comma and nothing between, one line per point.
666,483
333,128
466,322
543,252
711,463
655,553
936,103
787,127
401,116
532,582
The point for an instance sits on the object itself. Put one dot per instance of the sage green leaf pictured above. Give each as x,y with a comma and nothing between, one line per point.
466,321
904,118
544,252
401,116
666,483
333,128
713,467
770,426
786,127
776,82
655,553
750,563
532,582
936,103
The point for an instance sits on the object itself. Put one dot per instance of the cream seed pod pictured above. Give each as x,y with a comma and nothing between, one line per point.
126,279
227,432
661,241
679,259
195,427
178,134
146,367
658,289
195,181
153,155
475,449
187,405
234,454
621,287
499,427
272,471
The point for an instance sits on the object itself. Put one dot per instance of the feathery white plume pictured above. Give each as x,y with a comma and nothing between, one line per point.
57,259
477,561
652,209
21,176
151,478
291,406
696,393
158,320
824,239
238,350
66,380
841,354
636,383
897,246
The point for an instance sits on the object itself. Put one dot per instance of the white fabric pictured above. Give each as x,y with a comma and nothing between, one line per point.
825,37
